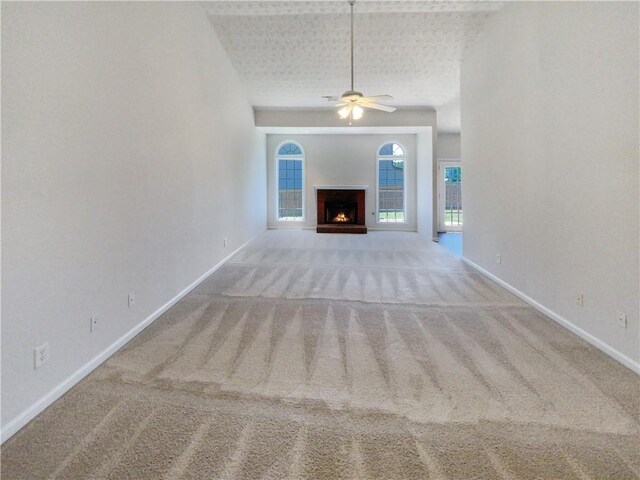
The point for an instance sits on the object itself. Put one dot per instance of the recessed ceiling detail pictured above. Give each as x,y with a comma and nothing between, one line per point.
290,53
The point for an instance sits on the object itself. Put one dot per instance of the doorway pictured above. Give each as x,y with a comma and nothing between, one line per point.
450,196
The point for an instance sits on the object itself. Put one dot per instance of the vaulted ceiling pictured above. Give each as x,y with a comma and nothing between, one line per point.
291,53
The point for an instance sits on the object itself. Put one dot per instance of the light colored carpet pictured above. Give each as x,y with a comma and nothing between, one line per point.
343,356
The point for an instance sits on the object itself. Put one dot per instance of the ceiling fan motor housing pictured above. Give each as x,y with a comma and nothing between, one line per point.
351,96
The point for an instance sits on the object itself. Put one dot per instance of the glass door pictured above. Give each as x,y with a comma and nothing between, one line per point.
450,196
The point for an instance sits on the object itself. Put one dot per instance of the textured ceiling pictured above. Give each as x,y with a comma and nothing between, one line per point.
291,53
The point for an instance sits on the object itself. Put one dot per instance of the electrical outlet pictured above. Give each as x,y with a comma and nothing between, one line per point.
40,355
622,319
131,299
580,300
224,243
498,258
93,324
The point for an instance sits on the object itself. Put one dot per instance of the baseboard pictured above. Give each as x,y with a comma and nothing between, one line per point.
596,342
371,229
293,227
377,229
32,411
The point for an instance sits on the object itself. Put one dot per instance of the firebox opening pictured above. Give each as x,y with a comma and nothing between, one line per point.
341,213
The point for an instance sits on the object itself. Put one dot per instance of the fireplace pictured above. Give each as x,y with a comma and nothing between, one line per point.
341,213
341,209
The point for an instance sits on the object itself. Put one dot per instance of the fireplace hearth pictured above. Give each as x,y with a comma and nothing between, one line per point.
341,210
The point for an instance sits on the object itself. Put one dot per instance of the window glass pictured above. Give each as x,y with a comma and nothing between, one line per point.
290,194
391,183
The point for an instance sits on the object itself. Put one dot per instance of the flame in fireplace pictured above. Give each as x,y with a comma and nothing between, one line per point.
341,217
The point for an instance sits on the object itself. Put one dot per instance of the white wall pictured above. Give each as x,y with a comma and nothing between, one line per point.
550,144
128,152
425,192
342,159
449,146
327,117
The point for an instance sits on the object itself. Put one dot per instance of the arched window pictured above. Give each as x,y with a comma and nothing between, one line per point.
290,184
391,161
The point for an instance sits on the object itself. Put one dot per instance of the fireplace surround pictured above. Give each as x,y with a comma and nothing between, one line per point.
341,209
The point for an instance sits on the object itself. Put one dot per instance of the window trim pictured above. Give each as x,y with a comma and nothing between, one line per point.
277,179
405,158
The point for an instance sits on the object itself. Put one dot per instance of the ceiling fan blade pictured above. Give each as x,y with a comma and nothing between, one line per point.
376,98
377,106
332,98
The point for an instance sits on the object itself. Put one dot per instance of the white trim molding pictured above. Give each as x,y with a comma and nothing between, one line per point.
596,342
341,187
33,410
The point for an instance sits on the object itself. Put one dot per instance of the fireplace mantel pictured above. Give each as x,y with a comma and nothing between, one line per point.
341,187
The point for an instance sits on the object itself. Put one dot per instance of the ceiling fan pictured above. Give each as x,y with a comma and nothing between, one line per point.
353,103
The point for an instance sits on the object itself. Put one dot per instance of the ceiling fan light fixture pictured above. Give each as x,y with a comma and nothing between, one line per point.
344,112
357,112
